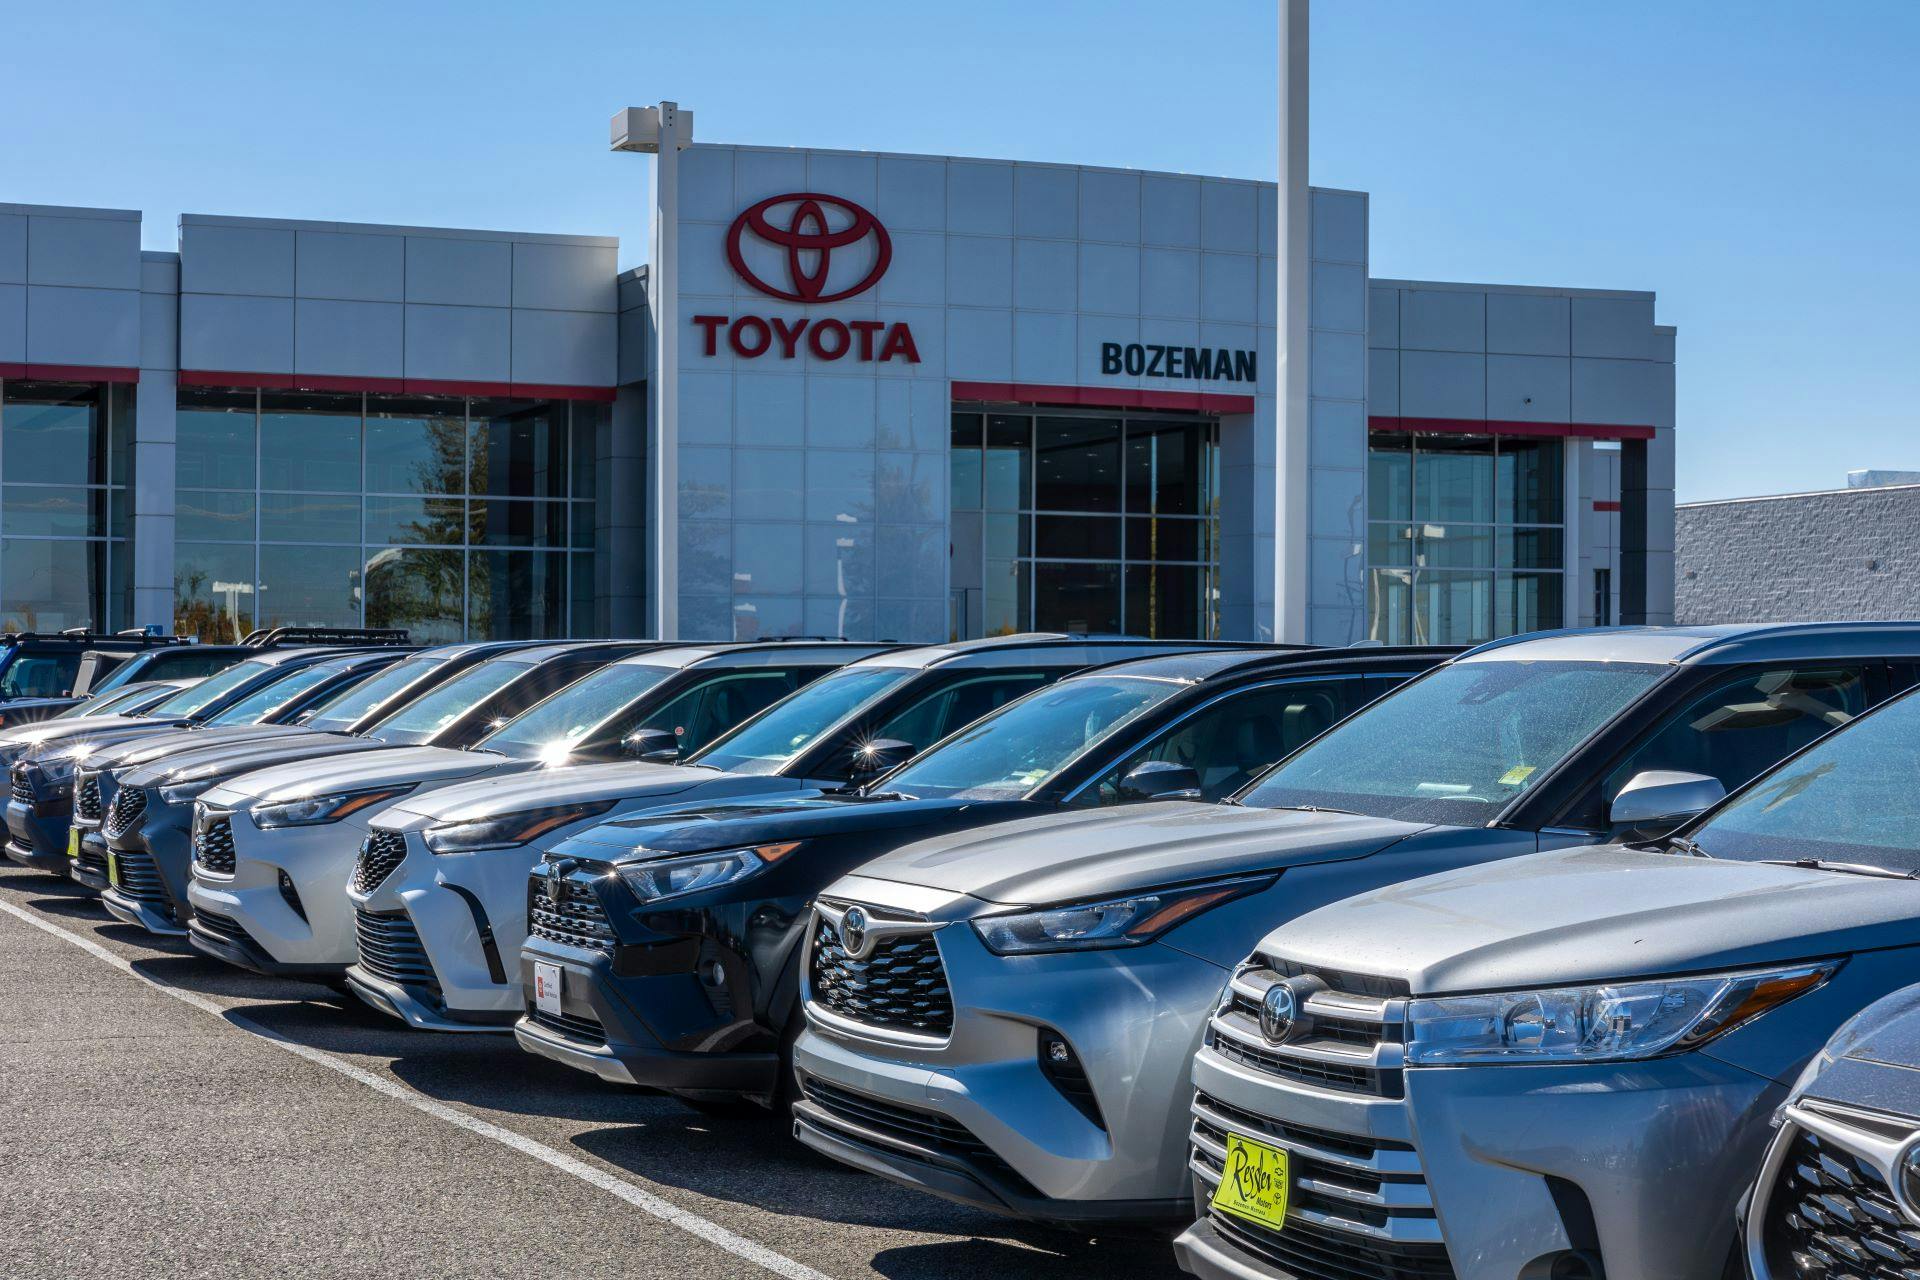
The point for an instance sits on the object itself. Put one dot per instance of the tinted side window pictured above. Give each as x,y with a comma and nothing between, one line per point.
187,665
1740,726
702,713
1231,741
957,705
40,675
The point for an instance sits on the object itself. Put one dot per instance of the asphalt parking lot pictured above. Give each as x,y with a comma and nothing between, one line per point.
169,1116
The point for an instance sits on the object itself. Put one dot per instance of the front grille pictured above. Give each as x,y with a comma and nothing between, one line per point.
140,879
928,1130
86,799
379,855
1350,1040
93,859
213,845
128,804
1358,1208
22,785
390,948
901,984
573,1026
1831,1214
575,919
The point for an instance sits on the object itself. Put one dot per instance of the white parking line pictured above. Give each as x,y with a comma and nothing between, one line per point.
640,1198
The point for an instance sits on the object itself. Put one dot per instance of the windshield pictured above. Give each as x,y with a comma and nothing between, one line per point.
105,704
278,695
1459,745
191,701
1012,752
426,716
1848,798
552,728
782,731
343,710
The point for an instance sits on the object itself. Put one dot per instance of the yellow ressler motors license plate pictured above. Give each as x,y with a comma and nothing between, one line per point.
1254,1185
73,843
113,868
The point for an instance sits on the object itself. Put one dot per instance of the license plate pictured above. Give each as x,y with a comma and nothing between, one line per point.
113,868
73,844
546,987
1254,1185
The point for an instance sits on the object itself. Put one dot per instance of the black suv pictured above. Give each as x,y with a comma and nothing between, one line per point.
663,949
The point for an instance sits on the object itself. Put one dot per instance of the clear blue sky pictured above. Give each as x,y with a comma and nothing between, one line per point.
1752,160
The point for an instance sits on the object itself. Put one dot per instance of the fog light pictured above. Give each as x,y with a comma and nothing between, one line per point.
717,975
291,895
1063,1069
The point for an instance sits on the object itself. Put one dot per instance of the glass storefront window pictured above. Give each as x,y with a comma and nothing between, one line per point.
1451,520
1087,523
381,510
65,465
310,443
213,588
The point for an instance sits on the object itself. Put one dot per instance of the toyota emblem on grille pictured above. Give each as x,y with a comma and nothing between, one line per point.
1907,1176
853,931
1279,1013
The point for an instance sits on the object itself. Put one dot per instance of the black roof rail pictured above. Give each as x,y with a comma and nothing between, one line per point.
264,637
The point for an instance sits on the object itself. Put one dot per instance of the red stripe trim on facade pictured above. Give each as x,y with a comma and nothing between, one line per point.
1498,427
1599,505
1102,397
70,372
321,382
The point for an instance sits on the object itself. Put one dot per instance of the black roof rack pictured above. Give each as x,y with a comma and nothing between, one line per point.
137,636
264,637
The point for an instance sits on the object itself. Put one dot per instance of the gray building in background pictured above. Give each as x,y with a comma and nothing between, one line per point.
1842,554
886,396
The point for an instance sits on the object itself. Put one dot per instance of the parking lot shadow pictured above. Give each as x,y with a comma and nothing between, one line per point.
1041,1253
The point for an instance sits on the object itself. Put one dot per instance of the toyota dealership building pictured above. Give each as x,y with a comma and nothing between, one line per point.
859,394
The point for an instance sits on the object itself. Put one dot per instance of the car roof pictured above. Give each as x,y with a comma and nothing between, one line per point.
757,653
1752,642
1055,646
1201,668
538,652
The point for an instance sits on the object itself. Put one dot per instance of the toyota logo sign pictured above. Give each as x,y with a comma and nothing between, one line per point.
801,225
818,248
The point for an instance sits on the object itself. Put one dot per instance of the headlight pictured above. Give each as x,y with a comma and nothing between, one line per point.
509,829
313,811
675,877
1116,922
1603,1023
185,792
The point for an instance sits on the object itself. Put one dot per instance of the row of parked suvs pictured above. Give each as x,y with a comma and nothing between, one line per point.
1576,955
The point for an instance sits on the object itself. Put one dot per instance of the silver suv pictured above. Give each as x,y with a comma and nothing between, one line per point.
1562,1066
1081,954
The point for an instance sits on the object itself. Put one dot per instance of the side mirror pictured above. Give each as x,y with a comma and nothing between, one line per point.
651,746
1655,802
1161,780
881,755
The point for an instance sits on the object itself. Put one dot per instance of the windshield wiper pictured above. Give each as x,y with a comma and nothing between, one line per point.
1321,808
1848,868
1686,846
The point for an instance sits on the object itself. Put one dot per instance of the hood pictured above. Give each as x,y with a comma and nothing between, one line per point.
356,770
1077,853
148,748
561,784
193,760
89,737
1873,1060
1594,914
767,820
27,735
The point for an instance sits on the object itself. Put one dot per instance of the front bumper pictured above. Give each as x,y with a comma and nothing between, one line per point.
460,920
1009,1139
36,839
304,927
601,1031
89,867
152,859
1493,1171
